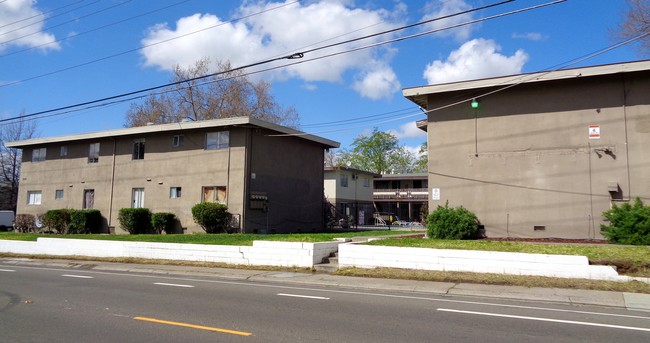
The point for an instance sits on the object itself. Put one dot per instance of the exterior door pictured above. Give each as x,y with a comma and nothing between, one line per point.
138,198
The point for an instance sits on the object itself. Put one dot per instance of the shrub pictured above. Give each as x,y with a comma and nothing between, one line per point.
25,222
452,223
85,221
212,217
135,220
163,221
57,220
629,224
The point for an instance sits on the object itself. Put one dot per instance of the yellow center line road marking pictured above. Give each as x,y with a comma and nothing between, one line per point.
200,327
546,320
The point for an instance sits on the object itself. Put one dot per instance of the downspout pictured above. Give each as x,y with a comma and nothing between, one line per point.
248,146
627,150
110,202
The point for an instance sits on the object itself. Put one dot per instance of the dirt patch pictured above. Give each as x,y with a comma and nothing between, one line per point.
548,240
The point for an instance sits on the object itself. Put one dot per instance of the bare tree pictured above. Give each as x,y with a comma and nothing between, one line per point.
636,22
229,94
10,159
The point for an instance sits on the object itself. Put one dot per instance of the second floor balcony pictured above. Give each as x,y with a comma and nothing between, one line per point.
405,194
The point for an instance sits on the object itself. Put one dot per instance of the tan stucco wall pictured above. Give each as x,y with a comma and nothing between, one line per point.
524,158
288,168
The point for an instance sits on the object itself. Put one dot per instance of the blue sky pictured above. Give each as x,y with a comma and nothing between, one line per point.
55,53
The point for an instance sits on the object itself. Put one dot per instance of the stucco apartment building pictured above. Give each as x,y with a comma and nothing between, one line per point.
270,179
402,195
543,154
350,191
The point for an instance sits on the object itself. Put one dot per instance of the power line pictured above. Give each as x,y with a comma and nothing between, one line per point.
66,22
42,14
74,35
288,57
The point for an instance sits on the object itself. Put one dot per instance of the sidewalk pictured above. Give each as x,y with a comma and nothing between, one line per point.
630,301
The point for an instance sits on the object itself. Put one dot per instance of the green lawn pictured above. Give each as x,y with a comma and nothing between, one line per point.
217,239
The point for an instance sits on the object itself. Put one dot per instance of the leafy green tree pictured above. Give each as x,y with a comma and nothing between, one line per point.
422,162
379,153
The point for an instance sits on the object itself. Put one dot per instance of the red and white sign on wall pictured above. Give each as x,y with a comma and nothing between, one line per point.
594,131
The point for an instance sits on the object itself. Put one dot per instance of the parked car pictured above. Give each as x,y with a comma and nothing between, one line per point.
6,220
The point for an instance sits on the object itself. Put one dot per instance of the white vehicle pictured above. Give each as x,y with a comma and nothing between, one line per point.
6,220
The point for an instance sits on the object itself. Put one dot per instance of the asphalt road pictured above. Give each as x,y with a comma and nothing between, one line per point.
54,304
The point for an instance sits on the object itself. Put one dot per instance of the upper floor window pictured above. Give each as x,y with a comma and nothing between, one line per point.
217,140
93,153
344,180
178,141
64,150
38,155
138,149
366,182
34,197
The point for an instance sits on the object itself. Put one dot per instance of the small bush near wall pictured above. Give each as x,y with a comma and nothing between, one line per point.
212,217
85,221
135,220
163,221
25,222
452,223
628,224
57,220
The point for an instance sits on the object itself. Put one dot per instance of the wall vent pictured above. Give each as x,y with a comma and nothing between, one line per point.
539,227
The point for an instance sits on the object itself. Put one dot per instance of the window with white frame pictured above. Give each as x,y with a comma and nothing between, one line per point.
175,192
344,180
93,153
33,197
138,149
58,194
38,155
217,140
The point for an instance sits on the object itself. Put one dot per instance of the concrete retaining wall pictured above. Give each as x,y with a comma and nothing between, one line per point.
262,253
366,256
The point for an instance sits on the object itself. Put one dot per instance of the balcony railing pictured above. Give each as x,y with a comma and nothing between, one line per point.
401,194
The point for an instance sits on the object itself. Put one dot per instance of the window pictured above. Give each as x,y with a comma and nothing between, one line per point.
93,153
138,149
58,195
214,194
366,182
175,192
217,140
138,198
178,140
344,180
38,155
89,199
34,197
64,151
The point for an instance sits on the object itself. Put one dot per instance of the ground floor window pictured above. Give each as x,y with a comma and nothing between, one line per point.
174,192
214,194
58,195
89,199
138,197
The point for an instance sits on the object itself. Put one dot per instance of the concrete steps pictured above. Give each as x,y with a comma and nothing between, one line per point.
329,265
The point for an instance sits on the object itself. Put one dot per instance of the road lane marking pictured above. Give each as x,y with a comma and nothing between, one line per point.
302,296
200,327
546,320
6,270
406,297
78,276
172,285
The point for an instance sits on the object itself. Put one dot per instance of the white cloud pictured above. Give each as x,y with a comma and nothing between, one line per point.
377,83
476,59
280,32
532,36
409,130
24,33
444,8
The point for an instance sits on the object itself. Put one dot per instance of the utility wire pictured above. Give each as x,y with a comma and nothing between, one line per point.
288,57
43,14
74,35
66,22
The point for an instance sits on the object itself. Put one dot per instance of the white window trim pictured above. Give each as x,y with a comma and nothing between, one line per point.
34,197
